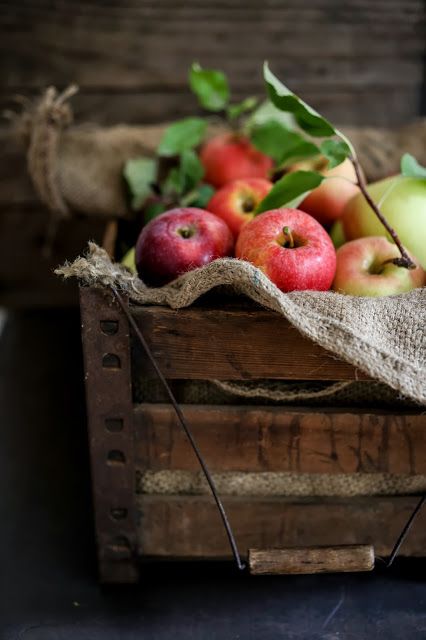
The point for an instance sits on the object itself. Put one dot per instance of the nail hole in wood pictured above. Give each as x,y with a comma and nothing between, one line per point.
119,513
119,547
111,361
113,425
109,327
115,456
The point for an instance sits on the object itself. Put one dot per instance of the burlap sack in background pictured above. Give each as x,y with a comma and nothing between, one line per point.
384,337
79,168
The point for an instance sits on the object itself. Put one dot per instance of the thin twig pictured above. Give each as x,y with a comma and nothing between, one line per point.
405,260
185,427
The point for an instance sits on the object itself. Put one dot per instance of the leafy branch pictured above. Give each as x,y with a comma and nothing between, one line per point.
336,148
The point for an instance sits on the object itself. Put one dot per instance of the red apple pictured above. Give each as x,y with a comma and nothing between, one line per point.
363,269
180,240
236,202
327,202
291,248
232,156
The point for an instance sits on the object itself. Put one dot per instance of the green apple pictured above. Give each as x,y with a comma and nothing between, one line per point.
402,202
129,260
337,234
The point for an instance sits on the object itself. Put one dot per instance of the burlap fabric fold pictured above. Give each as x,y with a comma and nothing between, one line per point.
384,337
78,168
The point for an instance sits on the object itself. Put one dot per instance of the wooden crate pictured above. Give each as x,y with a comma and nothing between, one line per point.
230,341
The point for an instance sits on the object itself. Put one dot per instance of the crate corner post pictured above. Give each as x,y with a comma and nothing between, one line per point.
107,370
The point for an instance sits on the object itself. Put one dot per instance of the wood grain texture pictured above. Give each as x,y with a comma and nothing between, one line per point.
234,343
190,527
309,560
336,56
106,339
256,439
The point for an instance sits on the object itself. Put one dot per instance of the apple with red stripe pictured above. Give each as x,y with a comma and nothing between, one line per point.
237,201
291,248
232,156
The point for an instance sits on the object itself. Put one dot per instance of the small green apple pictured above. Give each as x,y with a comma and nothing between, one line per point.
337,234
129,260
404,207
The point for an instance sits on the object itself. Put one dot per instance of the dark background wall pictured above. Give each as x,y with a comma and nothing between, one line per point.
357,61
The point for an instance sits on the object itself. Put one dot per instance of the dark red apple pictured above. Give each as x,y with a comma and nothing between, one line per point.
291,248
232,156
236,202
178,241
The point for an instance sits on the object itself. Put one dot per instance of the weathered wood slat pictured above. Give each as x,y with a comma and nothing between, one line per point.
256,439
190,527
200,343
143,42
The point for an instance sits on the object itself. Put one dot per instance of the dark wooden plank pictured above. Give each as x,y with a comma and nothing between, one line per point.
190,527
226,343
102,45
106,350
308,560
256,439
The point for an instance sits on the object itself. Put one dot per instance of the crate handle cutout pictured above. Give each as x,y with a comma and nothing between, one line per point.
287,561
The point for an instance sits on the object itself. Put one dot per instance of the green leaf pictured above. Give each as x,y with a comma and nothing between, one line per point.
236,110
410,168
291,186
191,170
140,173
275,140
267,111
153,210
307,118
335,151
211,87
182,135
199,197
186,176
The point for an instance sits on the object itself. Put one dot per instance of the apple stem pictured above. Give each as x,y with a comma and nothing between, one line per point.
288,238
403,261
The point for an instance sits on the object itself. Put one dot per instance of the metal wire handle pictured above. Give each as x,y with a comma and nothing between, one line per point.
234,548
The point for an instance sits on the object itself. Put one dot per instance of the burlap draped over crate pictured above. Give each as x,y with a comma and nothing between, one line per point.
384,337
78,168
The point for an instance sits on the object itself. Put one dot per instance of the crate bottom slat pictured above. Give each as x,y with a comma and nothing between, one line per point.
188,527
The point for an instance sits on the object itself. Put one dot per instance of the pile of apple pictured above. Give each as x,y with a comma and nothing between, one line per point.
331,237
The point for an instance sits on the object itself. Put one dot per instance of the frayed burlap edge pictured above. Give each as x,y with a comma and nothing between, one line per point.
384,337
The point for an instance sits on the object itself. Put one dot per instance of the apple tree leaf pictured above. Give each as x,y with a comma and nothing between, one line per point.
267,111
287,189
410,168
140,174
153,210
199,197
275,140
234,111
184,178
336,151
191,170
307,118
211,87
181,136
